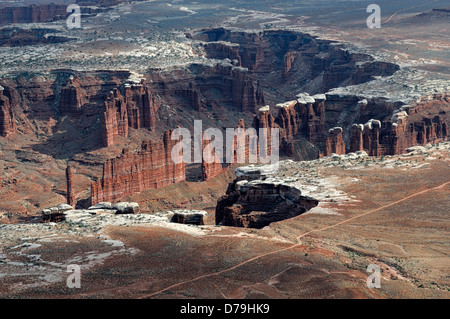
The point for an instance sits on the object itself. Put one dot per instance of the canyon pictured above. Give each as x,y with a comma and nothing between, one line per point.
119,109
357,117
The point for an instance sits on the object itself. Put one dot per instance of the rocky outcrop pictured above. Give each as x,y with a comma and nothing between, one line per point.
114,118
188,217
302,117
56,214
245,93
72,97
141,106
419,123
264,122
15,36
136,108
150,168
316,64
33,13
211,161
260,202
288,61
64,211
69,179
357,142
7,125
335,142
126,208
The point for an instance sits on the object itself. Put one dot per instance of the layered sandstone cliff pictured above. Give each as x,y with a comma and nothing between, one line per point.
72,97
7,125
150,168
33,13
256,202
302,61
304,116
421,122
135,108
70,193
335,142
211,160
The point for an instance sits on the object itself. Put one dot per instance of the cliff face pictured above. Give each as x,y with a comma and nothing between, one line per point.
335,142
72,97
356,142
136,108
151,168
305,116
258,203
211,162
422,122
7,125
70,194
114,118
220,83
33,13
302,61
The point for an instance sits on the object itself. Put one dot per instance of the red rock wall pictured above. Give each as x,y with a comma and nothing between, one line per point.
151,168
69,178
356,141
72,97
33,14
114,118
335,142
193,95
306,117
7,125
244,91
211,166
288,61
420,123
264,120
136,109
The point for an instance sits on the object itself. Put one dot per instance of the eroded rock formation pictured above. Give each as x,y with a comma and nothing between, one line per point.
298,55
33,13
260,202
211,161
7,125
72,97
188,217
136,108
69,179
335,142
421,122
150,168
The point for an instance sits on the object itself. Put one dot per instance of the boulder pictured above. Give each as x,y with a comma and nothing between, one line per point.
189,217
126,208
64,207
